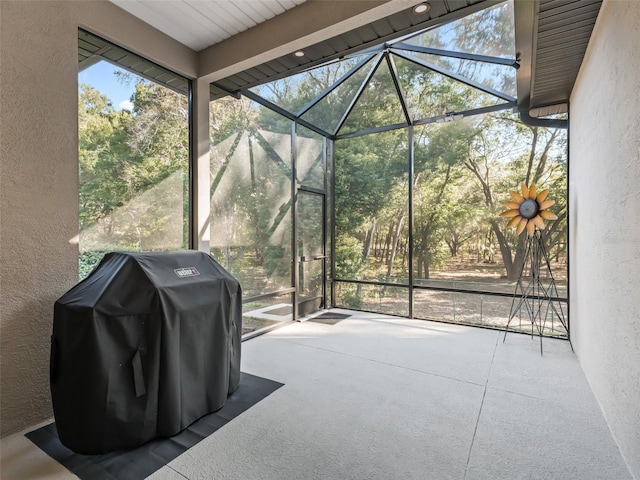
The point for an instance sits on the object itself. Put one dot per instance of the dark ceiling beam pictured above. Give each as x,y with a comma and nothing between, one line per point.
460,55
396,83
361,89
332,87
452,75
285,113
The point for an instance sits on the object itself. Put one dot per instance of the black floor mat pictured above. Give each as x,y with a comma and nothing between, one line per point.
329,318
139,463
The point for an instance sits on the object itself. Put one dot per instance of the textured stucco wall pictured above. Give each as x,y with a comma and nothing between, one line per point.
39,179
39,191
605,220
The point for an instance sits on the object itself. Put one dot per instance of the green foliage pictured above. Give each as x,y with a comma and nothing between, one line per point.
228,117
102,151
463,172
488,32
349,261
87,261
366,170
276,262
251,196
128,197
352,299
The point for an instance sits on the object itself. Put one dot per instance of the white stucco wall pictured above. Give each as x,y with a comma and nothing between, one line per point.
39,178
605,220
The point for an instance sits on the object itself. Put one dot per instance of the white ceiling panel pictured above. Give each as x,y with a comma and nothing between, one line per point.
199,24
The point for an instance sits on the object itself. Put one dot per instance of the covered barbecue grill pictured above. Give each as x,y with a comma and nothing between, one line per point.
144,346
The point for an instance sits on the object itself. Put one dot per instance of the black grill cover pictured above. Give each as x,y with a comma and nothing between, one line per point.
141,348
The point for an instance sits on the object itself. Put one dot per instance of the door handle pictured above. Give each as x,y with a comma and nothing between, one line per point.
314,257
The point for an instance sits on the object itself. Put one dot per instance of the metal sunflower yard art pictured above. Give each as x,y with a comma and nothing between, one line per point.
529,210
536,293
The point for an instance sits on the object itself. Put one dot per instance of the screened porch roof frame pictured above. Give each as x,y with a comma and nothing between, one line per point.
382,53
551,38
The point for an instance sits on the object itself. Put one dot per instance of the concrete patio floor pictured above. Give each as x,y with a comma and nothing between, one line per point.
379,397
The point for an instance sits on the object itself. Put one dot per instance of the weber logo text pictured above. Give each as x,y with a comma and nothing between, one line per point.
187,272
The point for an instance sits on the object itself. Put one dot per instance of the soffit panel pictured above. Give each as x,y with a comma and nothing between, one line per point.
563,31
199,24
92,49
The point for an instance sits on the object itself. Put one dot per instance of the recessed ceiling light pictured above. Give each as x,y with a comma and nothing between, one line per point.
299,53
421,8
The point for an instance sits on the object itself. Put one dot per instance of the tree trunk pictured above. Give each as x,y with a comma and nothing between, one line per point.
387,243
394,244
516,267
404,256
505,250
376,240
369,240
